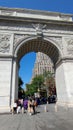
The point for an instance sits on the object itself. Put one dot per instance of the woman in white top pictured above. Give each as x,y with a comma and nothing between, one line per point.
14,107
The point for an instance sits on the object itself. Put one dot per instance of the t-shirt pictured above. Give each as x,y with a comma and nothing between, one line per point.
15,105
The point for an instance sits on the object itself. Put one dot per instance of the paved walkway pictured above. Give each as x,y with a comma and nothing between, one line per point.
61,119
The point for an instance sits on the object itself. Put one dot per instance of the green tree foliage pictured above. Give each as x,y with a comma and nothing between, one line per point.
30,89
36,84
21,92
49,80
20,82
38,81
48,76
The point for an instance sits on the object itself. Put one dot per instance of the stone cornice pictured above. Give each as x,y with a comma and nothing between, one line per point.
30,11
35,16
64,60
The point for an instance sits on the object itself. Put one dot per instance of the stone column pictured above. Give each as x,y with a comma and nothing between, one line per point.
6,54
14,91
5,84
64,82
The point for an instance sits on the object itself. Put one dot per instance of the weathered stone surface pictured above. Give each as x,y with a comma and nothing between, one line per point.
23,31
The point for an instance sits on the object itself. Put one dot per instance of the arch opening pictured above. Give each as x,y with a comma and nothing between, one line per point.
38,45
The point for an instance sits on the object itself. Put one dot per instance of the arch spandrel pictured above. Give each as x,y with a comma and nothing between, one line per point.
38,44
69,46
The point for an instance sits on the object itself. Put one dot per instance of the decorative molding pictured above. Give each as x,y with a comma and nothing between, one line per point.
25,27
70,47
39,28
57,40
6,12
4,43
18,38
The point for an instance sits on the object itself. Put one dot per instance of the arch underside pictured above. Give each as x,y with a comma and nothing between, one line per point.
39,45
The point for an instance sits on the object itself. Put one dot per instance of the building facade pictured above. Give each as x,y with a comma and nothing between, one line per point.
42,63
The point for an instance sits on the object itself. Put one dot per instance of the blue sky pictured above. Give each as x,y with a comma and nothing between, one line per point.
26,67
63,6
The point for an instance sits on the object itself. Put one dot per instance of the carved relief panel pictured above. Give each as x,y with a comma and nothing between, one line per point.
69,46
5,44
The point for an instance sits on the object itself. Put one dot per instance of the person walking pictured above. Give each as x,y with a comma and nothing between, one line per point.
14,108
30,108
18,106
33,105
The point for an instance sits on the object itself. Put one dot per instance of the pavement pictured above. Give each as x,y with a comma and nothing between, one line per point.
49,118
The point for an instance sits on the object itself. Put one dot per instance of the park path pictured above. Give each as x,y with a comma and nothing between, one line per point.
61,119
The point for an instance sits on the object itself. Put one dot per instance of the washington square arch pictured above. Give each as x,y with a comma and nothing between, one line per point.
23,31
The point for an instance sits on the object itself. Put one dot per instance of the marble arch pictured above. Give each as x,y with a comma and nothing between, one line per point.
23,31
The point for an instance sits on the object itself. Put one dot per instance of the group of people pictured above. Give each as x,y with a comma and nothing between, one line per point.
21,105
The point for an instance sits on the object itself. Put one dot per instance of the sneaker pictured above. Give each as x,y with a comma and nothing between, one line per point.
30,114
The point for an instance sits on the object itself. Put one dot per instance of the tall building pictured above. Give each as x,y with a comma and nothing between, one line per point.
42,63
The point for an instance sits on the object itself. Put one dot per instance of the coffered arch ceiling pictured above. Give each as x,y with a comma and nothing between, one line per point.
39,45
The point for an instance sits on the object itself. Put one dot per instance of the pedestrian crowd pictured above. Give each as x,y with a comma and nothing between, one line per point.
28,104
